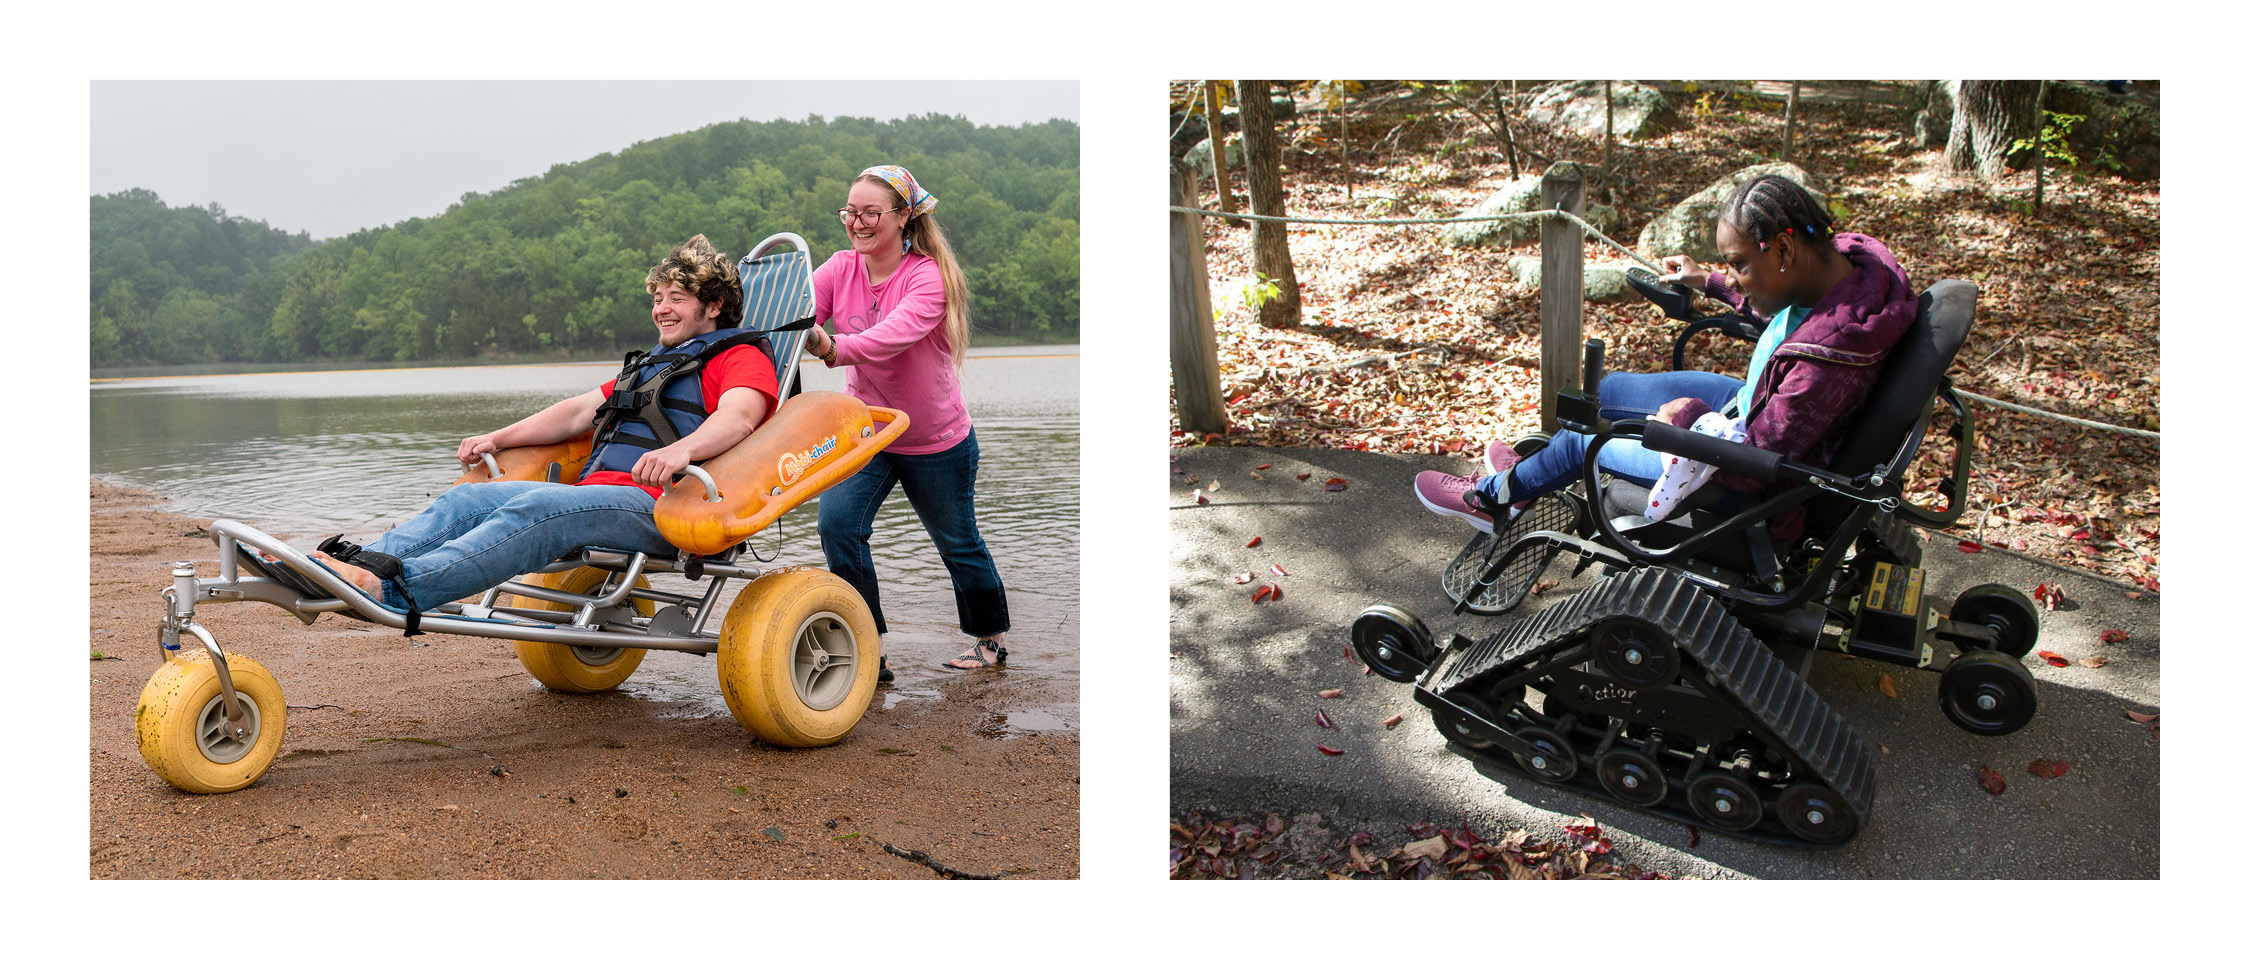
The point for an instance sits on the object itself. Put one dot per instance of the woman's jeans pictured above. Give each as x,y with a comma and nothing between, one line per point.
477,536
1624,396
942,489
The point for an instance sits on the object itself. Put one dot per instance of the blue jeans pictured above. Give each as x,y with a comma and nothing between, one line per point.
477,536
942,489
1625,396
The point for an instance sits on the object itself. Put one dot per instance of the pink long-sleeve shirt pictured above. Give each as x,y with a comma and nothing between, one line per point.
892,339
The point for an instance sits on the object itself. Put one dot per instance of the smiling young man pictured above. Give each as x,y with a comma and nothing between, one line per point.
702,389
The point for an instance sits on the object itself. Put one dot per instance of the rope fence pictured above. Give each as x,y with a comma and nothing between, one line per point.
1628,252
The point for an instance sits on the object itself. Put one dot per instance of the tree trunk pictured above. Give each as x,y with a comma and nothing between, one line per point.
1269,241
1988,117
1218,148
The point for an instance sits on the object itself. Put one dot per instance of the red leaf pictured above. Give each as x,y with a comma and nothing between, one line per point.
1245,577
1254,541
1969,546
1694,836
1265,593
2113,636
1332,693
1393,720
1264,466
2053,659
1325,750
1991,780
2142,718
2047,768
1320,717
1277,570
1199,498
1335,484
1304,475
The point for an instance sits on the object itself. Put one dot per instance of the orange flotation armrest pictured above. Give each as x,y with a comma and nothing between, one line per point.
812,443
530,463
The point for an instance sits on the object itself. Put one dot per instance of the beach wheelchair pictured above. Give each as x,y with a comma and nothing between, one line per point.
1675,682
797,653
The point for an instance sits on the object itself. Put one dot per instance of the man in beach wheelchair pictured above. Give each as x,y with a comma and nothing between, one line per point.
671,467
1675,680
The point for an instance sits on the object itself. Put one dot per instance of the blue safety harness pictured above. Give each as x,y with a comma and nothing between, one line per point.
658,399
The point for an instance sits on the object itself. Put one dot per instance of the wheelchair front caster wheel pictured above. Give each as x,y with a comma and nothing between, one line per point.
2010,615
1988,693
181,724
1392,643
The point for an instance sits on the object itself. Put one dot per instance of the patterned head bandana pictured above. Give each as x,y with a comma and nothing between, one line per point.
918,200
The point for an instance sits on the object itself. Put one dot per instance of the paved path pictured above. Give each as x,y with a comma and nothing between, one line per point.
1244,679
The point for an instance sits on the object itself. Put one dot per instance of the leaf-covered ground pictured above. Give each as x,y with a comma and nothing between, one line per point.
1409,345
1207,847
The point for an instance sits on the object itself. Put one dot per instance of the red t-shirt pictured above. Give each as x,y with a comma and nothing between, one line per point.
742,366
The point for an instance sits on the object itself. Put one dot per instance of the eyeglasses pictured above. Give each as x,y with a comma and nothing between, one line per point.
848,214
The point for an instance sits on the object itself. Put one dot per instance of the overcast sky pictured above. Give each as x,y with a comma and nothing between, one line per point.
332,157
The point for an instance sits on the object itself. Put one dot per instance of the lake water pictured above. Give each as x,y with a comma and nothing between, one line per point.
305,455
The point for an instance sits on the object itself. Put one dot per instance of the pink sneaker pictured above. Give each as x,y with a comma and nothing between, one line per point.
1500,456
1447,494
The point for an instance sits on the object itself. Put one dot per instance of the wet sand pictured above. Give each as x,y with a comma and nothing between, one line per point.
508,779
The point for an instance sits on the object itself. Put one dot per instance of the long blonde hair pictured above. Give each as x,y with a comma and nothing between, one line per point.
928,239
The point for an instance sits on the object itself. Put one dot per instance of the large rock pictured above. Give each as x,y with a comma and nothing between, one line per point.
1518,196
1200,157
1602,284
1576,106
1687,228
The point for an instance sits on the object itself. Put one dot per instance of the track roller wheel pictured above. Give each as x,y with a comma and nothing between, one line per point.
2010,614
1551,759
1725,802
797,657
1817,814
1392,643
1465,735
578,670
1636,654
181,724
1988,693
1632,776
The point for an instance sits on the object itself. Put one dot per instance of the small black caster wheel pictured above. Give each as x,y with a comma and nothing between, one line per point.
1636,654
1631,776
2014,621
1551,757
1392,643
1988,693
1725,802
1817,814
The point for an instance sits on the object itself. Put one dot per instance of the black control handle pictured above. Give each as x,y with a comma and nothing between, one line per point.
1593,381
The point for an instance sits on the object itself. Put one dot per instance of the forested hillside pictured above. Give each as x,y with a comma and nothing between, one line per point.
551,265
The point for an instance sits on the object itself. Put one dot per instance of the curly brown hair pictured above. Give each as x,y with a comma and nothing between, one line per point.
699,268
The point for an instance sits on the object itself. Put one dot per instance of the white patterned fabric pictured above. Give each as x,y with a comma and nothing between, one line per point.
1682,476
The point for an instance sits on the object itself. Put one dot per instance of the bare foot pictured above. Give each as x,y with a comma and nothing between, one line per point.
366,581
987,653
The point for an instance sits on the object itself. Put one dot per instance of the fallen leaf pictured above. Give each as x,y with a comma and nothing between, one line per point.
2142,718
1883,683
2054,659
1393,720
1969,546
1254,541
1332,693
2113,636
1277,569
1694,836
1264,466
1214,488
1264,593
2094,662
1200,499
1325,750
1304,475
1991,780
2047,768
1245,577
1433,847
1335,484
1320,717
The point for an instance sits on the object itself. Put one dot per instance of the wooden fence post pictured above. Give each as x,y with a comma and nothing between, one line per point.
1195,347
1562,286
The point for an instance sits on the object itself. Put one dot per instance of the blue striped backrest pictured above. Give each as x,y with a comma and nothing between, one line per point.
777,290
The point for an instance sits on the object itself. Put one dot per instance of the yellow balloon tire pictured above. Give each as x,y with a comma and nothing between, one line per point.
181,724
798,658
569,669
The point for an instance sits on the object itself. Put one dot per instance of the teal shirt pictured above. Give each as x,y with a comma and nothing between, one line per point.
1777,331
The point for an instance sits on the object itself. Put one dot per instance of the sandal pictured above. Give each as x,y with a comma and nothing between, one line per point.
975,658
883,673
